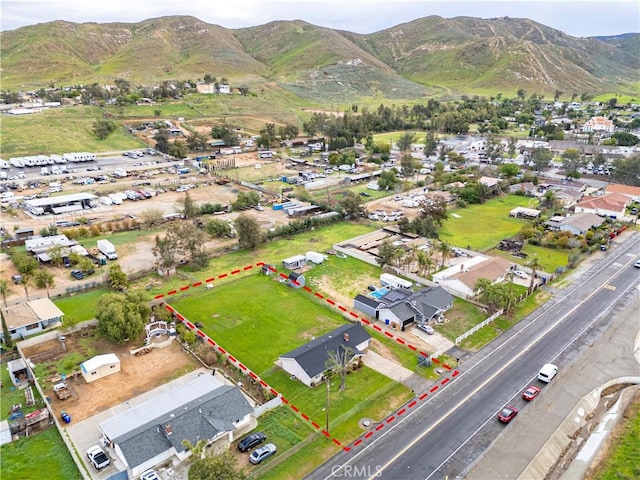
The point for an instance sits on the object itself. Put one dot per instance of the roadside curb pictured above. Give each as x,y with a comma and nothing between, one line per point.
561,439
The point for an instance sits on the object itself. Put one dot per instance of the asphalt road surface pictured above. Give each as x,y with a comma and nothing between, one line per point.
445,434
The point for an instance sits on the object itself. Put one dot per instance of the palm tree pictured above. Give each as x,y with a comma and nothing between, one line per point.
44,279
445,252
534,264
26,283
4,289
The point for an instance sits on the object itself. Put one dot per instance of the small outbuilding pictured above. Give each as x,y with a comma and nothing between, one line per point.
293,263
296,280
315,257
100,366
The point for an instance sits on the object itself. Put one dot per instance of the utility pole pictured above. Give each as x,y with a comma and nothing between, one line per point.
327,381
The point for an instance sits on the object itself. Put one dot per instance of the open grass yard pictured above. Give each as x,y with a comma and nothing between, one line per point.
483,336
462,317
40,456
342,278
80,307
258,318
550,258
60,130
345,428
481,227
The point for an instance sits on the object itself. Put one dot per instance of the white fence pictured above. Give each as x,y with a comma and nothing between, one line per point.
265,407
479,326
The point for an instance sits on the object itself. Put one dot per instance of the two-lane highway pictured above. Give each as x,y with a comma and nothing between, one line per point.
448,431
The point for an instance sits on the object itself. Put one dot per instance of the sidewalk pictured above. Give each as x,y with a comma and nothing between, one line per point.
536,445
395,372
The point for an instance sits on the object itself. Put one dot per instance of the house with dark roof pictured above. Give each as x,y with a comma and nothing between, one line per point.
400,307
152,432
308,363
403,307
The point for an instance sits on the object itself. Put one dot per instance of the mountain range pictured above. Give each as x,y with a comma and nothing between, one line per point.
427,55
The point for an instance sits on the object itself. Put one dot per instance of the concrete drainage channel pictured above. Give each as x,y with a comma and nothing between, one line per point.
573,447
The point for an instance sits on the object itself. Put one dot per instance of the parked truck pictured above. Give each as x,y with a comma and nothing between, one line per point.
107,249
120,172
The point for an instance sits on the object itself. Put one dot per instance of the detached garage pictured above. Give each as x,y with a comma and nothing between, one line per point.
100,366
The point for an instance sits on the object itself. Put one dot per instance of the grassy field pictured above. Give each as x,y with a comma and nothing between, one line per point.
345,428
60,130
81,307
481,227
319,239
43,455
462,317
623,461
483,336
276,320
550,258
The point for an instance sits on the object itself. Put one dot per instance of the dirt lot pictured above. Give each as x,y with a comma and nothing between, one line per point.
137,375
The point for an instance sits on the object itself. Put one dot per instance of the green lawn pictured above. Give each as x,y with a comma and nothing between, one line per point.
481,227
258,318
550,258
346,429
43,455
462,317
486,334
81,307
346,275
59,130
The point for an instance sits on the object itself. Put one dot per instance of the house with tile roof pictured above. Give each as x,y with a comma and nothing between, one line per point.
32,317
628,190
598,125
308,363
611,205
461,279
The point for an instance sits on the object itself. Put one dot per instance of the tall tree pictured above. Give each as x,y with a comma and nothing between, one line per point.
534,264
406,140
386,253
445,252
117,278
5,332
338,364
351,205
122,317
4,289
249,234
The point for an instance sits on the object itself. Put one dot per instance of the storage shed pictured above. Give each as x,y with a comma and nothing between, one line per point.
296,280
100,366
315,257
294,262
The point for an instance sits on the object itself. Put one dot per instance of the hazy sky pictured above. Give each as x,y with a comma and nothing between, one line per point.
578,18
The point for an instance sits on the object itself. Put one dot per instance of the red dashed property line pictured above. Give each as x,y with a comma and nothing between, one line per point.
209,280
455,373
159,296
255,377
186,287
388,334
307,289
330,302
445,381
223,275
197,284
353,314
423,396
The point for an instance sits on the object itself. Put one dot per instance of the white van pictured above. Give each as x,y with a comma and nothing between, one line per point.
547,372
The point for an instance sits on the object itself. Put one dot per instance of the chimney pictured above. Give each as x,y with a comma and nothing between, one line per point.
167,429
346,337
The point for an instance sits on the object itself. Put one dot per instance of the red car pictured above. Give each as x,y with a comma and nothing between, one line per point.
507,414
530,393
